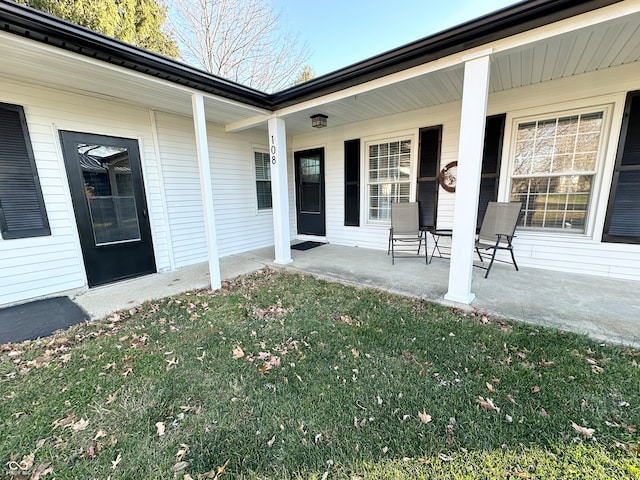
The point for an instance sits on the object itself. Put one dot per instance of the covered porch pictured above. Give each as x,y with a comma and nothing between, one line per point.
604,309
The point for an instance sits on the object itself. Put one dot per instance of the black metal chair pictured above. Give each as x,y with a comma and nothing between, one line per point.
497,230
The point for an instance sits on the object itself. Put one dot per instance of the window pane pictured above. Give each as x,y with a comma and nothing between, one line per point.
263,167
108,188
554,167
568,125
389,174
263,190
591,122
263,180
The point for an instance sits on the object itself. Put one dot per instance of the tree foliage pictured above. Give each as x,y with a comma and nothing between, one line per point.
307,73
241,40
138,22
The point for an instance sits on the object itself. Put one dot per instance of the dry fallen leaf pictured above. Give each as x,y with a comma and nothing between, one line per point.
424,417
271,442
80,425
490,388
518,474
488,404
27,462
584,432
264,368
64,422
182,452
40,471
171,362
237,353
114,463
535,389
274,361
544,413
180,466
221,469
160,427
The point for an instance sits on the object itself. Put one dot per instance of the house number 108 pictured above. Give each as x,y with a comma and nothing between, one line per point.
273,150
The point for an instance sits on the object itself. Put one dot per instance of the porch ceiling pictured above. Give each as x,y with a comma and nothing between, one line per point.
39,64
608,44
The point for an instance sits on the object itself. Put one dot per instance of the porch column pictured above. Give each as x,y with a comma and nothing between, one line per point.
279,190
204,165
470,146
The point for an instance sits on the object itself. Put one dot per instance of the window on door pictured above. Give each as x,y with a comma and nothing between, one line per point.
388,176
263,180
555,168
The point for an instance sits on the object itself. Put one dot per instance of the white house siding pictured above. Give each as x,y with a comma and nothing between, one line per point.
376,235
239,224
558,251
43,266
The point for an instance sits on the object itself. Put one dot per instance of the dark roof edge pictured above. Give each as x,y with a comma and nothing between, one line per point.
494,26
37,25
526,15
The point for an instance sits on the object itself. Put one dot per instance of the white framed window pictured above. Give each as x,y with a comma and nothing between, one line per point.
554,169
263,179
388,176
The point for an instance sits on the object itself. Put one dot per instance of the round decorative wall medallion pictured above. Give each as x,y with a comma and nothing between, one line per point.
447,177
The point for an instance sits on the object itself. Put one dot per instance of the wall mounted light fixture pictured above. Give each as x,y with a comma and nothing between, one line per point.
319,120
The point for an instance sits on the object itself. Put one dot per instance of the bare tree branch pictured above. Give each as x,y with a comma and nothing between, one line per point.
241,40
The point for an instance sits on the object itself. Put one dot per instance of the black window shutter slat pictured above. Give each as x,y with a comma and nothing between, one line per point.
491,155
622,223
352,183
430,143
22,211
631,152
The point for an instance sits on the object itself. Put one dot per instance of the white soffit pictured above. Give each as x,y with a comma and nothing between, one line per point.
39,64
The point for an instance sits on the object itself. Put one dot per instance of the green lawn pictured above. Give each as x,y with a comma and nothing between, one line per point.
286,376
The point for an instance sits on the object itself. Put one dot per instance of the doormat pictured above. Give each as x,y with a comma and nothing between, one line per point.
306,245
38,319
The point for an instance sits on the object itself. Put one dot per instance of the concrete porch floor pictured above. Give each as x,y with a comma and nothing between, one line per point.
605,309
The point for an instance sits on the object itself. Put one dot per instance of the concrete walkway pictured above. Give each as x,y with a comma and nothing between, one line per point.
605,309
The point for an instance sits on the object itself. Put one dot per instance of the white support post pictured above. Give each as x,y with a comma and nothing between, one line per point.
279,190
204,165
471,143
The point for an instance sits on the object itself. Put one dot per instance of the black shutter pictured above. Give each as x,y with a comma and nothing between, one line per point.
622,224
352,183
491,155
22,211
429,166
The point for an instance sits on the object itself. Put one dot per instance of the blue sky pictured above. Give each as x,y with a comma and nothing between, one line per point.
342,32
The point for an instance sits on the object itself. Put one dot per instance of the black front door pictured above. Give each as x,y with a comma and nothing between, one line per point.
109,203
310,191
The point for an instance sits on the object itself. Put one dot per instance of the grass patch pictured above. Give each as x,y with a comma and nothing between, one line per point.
286,376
